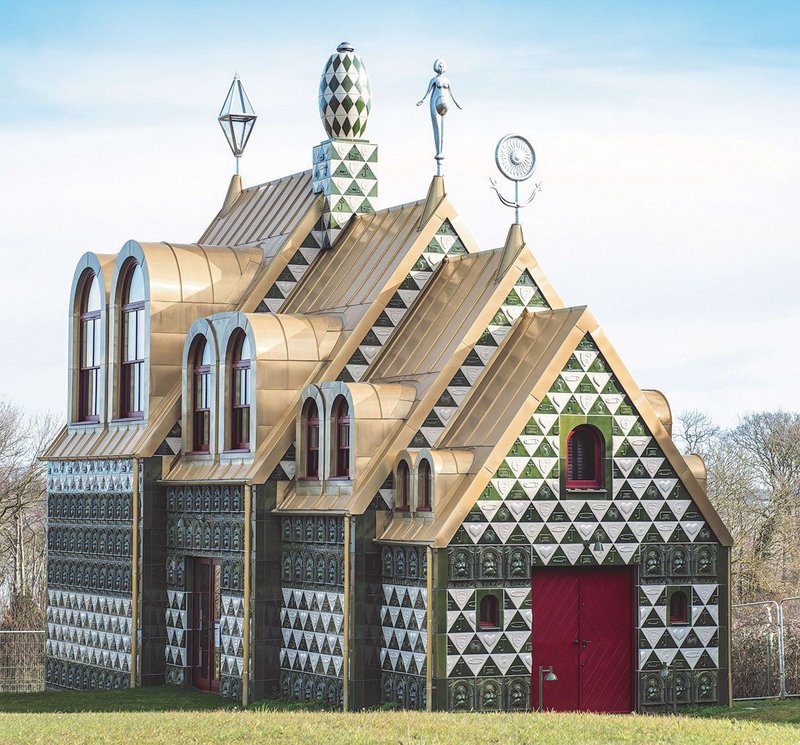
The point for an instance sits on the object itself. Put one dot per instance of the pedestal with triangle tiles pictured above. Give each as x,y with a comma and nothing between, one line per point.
344,174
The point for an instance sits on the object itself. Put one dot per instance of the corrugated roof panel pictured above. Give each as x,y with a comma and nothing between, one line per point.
263,211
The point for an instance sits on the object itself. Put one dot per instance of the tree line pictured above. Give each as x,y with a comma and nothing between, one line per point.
753,481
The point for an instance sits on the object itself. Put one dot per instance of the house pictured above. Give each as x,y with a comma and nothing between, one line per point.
338,453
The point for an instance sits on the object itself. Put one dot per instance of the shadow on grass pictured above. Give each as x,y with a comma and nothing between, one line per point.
127,700
786,711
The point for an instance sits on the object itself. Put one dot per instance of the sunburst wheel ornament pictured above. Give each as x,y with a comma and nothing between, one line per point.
515,157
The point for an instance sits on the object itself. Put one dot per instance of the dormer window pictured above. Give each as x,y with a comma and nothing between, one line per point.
240,392
341,438
201,396
311,424
584,461
424,486
403,487
131,388
90,346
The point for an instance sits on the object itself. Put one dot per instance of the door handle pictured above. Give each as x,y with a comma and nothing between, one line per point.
576,641
585,642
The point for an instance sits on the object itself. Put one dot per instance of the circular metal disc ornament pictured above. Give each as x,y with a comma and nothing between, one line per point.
515,157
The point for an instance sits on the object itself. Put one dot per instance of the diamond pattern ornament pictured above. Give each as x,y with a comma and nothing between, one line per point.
525,295
404,629
445,243
345,95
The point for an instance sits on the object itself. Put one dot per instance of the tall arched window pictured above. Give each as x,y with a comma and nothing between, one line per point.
403,487
584,460
131,389
311,424
201,396
341,438
240,392
90,345
424,486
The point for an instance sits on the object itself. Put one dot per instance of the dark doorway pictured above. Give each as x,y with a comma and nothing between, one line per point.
206,612
583,628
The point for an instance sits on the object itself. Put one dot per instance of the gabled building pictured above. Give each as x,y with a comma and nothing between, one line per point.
338,453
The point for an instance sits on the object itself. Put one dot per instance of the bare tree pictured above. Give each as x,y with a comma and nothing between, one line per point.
22,510
696,431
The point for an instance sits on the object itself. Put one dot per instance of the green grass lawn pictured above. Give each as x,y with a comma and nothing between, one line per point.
176,716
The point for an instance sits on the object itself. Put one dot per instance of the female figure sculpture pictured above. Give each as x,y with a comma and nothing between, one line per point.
440,91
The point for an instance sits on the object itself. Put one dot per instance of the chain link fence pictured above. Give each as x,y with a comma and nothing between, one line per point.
765,649
22,661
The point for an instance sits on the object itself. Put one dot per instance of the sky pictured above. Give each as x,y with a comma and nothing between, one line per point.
667,140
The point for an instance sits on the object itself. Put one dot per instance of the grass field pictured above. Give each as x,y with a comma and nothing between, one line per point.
181,716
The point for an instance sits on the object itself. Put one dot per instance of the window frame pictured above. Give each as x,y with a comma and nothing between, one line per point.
311,424
131,311
200,376
494,623
685,618
424,486
403,487
85,315
598,446
241,372
341,424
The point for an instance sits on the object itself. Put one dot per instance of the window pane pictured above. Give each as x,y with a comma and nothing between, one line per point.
92,296
140,334
135,286
129,320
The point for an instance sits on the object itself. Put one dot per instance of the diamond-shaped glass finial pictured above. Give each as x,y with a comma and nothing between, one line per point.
237,118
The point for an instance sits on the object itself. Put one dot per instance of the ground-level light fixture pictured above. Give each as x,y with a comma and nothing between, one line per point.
546,674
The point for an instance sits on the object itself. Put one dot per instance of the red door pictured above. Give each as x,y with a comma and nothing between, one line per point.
583,627
206,613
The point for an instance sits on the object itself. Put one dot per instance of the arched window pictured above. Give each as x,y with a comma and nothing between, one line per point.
240,392
89,344
678,608
584,448
341,438
201,396
403,487
311,424
131,389
489,616
424,486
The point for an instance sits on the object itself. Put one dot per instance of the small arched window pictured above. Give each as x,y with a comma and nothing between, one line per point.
311,424
489,615
341,438
90,344
201,396
240,392
584,461
131,401
403,487
424,486
678,608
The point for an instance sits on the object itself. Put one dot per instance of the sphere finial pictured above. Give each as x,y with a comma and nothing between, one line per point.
345,94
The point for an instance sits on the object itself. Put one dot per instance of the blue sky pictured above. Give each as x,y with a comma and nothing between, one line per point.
667,138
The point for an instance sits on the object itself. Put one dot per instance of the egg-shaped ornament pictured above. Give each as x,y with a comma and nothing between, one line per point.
345,96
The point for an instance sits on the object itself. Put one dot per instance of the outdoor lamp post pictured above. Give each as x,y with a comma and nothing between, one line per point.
545,674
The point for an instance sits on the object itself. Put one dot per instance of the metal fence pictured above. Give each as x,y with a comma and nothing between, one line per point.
21,661
765,649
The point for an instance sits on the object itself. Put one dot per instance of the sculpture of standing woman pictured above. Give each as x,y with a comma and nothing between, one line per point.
440,91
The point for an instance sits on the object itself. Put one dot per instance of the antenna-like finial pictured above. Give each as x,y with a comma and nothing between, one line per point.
440,91
237,118
516,160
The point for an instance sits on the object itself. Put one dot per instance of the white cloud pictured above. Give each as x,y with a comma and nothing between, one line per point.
668,201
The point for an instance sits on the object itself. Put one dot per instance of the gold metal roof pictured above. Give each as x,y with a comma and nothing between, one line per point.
263,211
498,407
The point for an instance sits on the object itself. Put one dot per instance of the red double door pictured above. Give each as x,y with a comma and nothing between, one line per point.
583,627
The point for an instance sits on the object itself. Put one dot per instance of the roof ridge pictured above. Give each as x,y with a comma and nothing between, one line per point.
288,177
